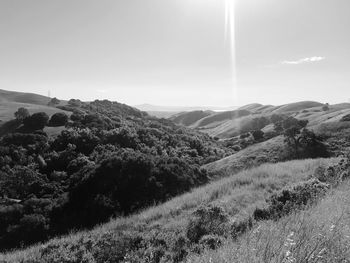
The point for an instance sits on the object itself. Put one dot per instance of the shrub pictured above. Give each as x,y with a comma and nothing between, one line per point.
345,118
37,121
325,107
287,200
240,227
258,135
207,220
244,135
58,119
54,101
21,114
211,241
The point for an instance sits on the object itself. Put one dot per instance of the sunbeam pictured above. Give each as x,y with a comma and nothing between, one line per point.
231,42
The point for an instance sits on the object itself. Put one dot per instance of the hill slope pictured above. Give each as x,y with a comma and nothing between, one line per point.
159,228
232,123
21,97
10,101
189,118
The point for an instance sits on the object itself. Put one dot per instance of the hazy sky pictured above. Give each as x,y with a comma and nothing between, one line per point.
173,52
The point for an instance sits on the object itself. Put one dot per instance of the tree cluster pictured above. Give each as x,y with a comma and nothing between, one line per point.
111,160
302,142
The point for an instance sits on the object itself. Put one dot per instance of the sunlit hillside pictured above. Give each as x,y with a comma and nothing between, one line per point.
160,227
233,123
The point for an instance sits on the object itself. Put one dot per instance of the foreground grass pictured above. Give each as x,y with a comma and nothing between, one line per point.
239,195
319,234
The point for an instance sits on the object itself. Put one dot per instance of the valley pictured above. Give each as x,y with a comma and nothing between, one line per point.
135,188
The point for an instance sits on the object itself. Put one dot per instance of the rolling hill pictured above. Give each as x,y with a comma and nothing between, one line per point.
21,97
189,118
10,101
152,177
232,123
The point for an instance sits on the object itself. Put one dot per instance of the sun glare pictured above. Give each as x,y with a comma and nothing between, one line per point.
230,41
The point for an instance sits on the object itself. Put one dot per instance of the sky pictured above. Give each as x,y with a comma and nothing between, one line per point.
174,52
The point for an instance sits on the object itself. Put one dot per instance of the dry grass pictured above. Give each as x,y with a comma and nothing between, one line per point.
319,234
238,194
7,109
271,151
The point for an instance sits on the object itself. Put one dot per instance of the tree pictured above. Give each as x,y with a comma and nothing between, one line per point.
58,119
325,107
54,101
277,120
292,129
258,135
304,142
74,103
21,114
345,118
37,121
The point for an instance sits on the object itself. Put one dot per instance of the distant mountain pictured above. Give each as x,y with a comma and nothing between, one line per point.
150,107
189,118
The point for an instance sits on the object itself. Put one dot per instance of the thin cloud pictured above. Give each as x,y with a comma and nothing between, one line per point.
303,61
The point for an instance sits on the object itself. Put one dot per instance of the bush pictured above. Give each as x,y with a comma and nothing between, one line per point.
58,119
325,107
345,118
211,241
207,220
258,135
37,121
287,200
21,114
54,102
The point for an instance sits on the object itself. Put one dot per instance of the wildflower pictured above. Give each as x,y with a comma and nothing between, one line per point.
320,254
289,257
289,243
257,230
290,240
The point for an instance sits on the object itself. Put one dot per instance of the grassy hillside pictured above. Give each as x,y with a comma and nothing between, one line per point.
319,234
21,97
138,237
232,123
295,107
10,101
7,109
189,118
269,151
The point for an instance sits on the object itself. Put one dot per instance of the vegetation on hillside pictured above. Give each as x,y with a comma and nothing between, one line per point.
164,233
111,160
108,160
317,234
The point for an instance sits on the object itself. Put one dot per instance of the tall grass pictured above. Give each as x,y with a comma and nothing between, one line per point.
239,195
319,234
